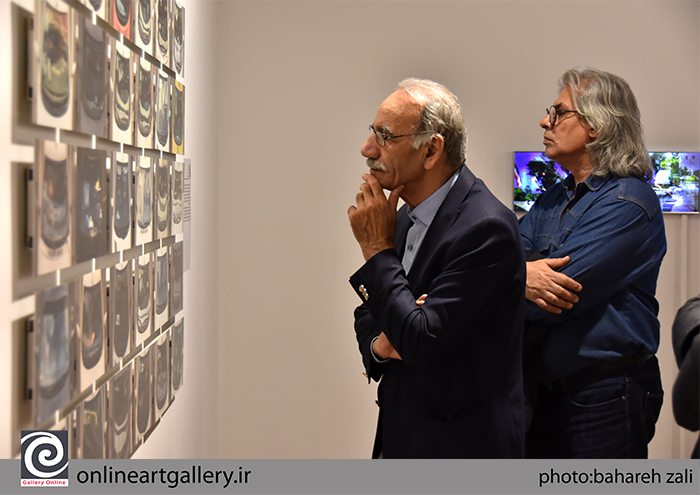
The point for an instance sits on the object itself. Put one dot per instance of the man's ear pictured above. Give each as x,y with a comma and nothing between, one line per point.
434,150
592,133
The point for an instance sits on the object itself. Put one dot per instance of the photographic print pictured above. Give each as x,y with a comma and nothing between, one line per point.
90,204
162,374
51,353
161,293
178,133
93,325
162,34
121,129
92,426
120,13
163,199
52,241
121,291
53,63
177,350
143,394
119,408
97,6
120,171
162,135
178,38
143,25
143,299
144,105
176,194
144,201
176,266
92,81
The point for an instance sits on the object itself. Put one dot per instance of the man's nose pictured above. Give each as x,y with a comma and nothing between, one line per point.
370,149
544,123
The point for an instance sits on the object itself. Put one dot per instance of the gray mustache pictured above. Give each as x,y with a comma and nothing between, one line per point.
375,165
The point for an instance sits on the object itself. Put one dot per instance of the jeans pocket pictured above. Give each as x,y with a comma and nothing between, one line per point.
601,393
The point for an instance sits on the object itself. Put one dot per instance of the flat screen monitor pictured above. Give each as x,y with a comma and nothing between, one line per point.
676,179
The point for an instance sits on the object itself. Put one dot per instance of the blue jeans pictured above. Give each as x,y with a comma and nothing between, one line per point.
611,416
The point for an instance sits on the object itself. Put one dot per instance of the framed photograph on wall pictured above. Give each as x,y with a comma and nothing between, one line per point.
53,185
161,295
163,199
90,205
121,128
92,78
178,132
92,341
121,311
176,192
176,277
145,114
99,7
162,375
143,198
143,395
143,25
162,135
51,353
143,298
120,17
178,38
54,52
162,34
120,183
177,337
92,426
119,424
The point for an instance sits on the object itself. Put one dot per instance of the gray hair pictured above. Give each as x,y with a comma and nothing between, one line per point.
606,102
440,114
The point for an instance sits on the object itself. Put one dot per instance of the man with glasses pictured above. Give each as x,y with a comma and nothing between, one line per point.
596,242
442,287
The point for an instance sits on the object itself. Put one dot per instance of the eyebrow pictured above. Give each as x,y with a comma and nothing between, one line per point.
385,129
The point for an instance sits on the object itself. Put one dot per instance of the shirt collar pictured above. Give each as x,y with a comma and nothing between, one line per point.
592,182
426,211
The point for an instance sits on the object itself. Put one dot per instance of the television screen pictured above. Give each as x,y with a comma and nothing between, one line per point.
676,179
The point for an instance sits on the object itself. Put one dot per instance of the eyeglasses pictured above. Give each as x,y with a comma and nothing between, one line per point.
553,112
383,138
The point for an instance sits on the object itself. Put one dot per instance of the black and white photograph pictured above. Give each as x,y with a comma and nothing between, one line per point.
53,90
92,78
143,298
178,38
176,277
99,7
92,349
92,426
143,25
53,222
143,394
177,336
144,106
121,186
121,128
119,409
161,399
121,311
161,294
163,200
51,353
91,196
162,33
178,132
176,192
143,201
162,134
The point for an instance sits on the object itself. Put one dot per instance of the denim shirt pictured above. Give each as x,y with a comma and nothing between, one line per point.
613,229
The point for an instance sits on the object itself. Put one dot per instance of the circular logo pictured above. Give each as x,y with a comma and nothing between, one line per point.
44,454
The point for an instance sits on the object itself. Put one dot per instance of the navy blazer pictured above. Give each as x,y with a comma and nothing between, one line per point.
458,392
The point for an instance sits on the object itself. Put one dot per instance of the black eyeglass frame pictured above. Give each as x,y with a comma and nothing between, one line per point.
553,112
383,138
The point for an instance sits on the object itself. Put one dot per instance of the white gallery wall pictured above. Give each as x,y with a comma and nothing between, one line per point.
279,96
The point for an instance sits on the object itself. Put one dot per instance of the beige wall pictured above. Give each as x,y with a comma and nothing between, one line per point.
279,96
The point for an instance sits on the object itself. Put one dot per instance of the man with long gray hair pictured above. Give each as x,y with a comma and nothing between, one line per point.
442,287
595,241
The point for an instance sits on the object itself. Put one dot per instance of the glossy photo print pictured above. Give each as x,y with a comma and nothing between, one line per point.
91,193
162,34
176,277
178,132
120,170
143,298
120,17
177,337
143,201
161,294
121,310
162,375
163,199
92,78
144,106
51,353
52,89
178,38
99,7
143,394
121,128
92,349
53,185
162,134
119,424
176,193
92,427
143,25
